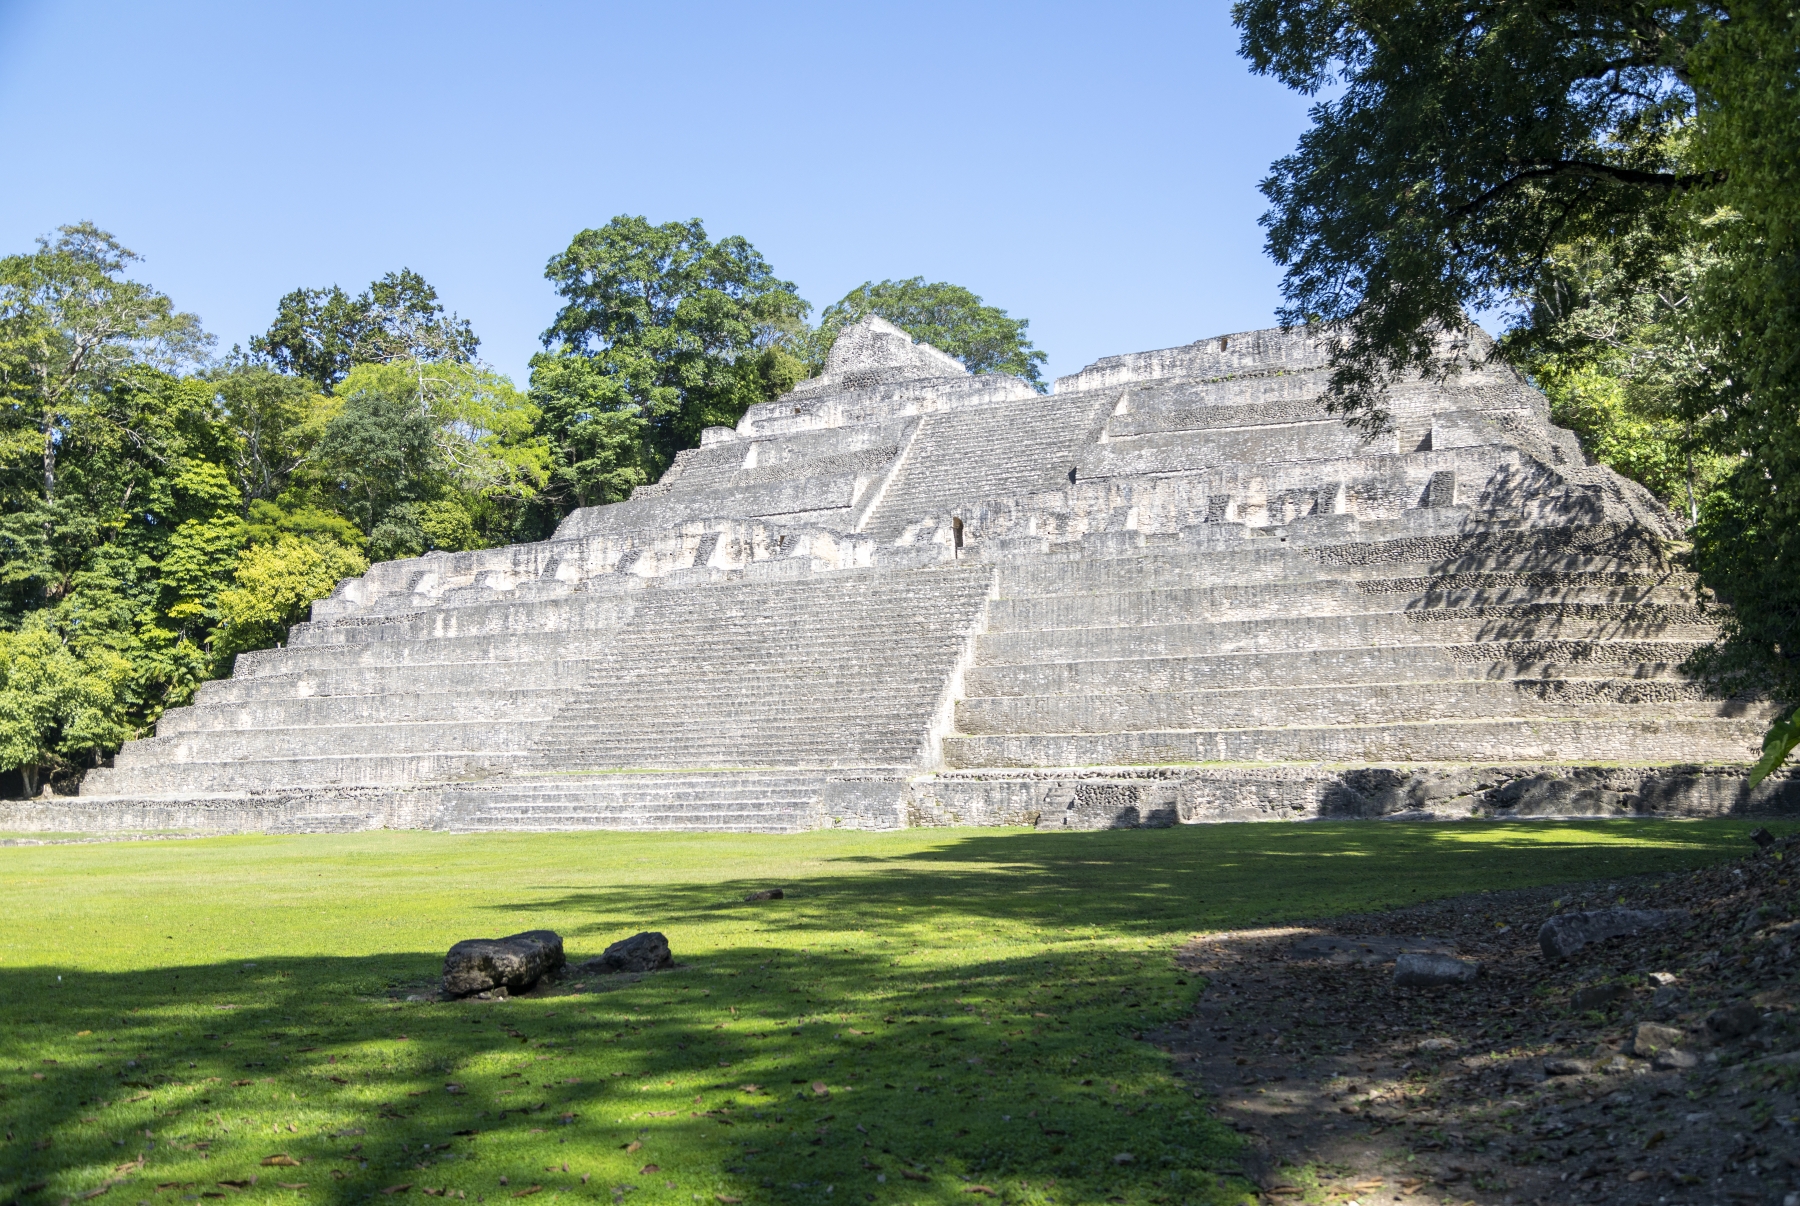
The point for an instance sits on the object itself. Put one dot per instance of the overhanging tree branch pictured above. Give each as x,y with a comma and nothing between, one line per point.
1581,168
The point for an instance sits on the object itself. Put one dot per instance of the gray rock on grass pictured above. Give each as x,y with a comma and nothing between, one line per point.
645,952
1416,969
514,963
1566,933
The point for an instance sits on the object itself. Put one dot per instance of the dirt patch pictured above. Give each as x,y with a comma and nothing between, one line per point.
1531,1083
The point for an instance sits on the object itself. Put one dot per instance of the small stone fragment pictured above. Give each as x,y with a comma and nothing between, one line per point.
1566,933
1566,1067
1762,837
1416,970
765,894
1674,1058
515,963
1652,1037
1733,1021
645,952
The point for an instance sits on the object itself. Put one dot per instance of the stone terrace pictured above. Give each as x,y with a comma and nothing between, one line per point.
1173,590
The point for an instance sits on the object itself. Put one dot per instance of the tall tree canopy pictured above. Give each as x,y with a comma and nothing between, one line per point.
1625,176
948,317
662,333
320,334
160,513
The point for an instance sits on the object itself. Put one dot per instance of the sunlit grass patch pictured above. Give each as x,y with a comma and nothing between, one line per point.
928,1016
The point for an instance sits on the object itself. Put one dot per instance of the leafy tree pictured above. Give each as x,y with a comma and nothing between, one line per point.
1617,353
667,329
273,587
1747,403
320,334
948,317
70,326
57,704
1462,144
1466,146
378,452
271,421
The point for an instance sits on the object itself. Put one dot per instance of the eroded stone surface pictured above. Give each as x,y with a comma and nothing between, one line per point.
1416,969
1561,936
515,963
645,952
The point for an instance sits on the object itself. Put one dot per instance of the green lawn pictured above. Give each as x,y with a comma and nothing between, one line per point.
957,1005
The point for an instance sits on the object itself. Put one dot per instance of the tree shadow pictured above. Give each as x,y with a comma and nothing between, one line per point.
1157,882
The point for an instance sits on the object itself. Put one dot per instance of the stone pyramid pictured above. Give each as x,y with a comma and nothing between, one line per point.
1175,589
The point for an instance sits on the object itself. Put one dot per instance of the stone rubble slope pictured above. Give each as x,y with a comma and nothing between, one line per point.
1655,1067
1174,590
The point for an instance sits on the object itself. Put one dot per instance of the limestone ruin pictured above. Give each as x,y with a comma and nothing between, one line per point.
1175,589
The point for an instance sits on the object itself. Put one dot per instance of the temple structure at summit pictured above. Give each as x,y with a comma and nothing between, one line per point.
1172,590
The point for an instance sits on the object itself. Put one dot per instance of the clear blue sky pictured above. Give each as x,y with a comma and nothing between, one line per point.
1091,167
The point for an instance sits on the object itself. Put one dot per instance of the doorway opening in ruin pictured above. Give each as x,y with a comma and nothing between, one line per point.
956,529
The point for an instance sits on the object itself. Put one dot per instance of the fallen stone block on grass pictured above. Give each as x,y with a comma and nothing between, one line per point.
645,952
514,963
1566,933
1421,970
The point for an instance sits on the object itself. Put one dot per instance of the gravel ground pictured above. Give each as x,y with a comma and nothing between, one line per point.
1533,1082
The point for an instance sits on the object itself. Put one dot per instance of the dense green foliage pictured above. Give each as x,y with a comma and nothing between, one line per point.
663,332
1624,176
162,511
948,317
960,998
320,334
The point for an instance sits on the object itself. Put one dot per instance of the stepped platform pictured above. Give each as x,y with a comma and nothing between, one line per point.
1174,590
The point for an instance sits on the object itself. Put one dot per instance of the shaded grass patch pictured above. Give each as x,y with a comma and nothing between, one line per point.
927,1015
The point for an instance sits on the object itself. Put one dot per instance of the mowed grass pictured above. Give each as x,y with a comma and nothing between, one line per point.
929,1015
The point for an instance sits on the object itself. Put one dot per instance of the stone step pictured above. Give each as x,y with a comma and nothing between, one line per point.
1367,704
494,703
1262,559
697,633
641,818
426,737
582,613
1460,739
841,752
266,774
1347,666
566,674
1122,608
1329,632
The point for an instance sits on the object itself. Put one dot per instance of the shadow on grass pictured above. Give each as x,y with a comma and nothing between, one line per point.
1005,1056
762,1074
1160,882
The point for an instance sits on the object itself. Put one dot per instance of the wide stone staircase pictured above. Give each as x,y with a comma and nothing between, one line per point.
1515,649
526,717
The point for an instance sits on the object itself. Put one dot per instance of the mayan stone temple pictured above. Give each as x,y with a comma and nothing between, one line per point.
1173,590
